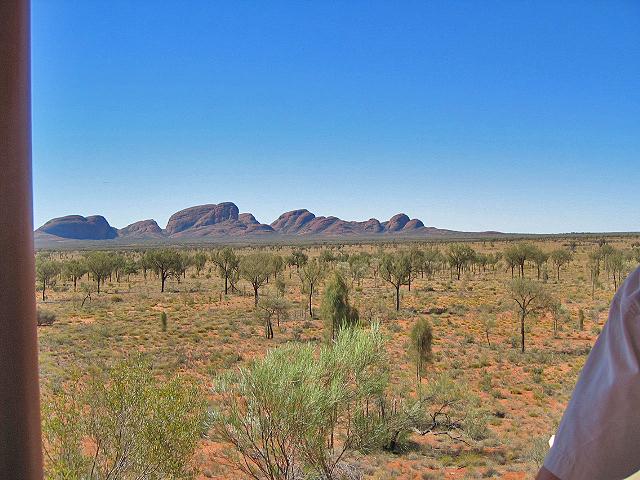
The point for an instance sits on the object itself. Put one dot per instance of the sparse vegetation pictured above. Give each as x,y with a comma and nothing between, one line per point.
470,410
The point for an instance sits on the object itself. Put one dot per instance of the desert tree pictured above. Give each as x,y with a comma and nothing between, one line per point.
635,253
277,265
482,260
358,266
337,312
616,265
594,270
46,272
123,423
199,262
87,290
374,263
421,339
281,286
311,274
395,268
494,259
488,321
559,313
327,256
416,261
118,262
145,263
539,257
74,269
518,254
227,263
100,265
459,256
184,261
270,307
510,260
166,263
431,258
560,257
255,268
297,259
530,297
131,267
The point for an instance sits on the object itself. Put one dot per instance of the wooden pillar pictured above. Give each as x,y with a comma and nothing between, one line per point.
20,441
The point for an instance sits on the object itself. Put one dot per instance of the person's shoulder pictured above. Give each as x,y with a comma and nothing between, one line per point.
629,294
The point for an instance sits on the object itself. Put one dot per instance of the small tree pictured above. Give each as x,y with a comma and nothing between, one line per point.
199,261
530,296
421,338
311,274
358,266
272,307
74,269
227,263
123,423
166,263
560,257
395,268
539,258
255,268
297,259
616,264
459,256
518,255
100,265
488,319
131,267
336,310
46,272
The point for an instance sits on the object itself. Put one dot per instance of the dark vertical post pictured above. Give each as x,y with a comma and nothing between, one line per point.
20,443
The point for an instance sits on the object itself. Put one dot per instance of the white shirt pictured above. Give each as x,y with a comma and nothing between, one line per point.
599,435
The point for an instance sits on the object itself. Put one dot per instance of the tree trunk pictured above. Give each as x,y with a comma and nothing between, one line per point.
226,284
255,295
398,298
163,279
44,286
522,329
98,285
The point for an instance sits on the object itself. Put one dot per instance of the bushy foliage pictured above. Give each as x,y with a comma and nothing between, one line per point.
293,410
122,423
337,312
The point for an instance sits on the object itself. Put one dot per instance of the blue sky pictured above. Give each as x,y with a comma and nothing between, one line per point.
516,116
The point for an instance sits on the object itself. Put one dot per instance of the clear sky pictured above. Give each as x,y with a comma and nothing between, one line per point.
519,116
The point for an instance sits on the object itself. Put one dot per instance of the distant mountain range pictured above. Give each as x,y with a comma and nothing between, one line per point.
224,221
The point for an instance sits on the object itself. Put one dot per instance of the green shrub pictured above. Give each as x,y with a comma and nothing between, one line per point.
123,423
286,434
